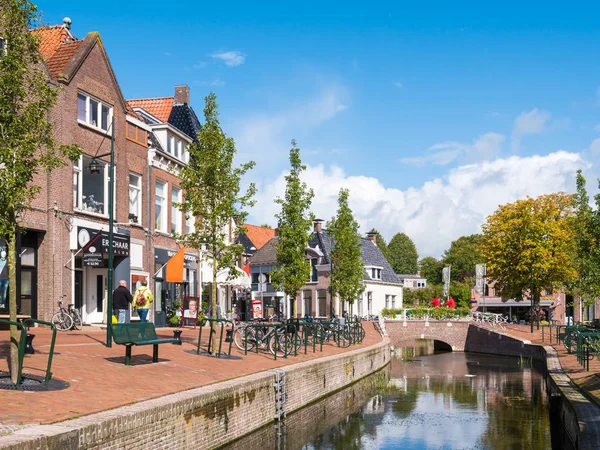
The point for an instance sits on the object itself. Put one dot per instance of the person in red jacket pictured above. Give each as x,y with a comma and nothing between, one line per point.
451,303
435,302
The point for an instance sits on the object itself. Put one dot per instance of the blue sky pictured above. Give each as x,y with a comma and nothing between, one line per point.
431,113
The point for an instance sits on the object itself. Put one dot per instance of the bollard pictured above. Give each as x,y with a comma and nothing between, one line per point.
177,335
29,344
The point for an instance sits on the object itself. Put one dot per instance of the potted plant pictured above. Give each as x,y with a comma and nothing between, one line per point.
173,314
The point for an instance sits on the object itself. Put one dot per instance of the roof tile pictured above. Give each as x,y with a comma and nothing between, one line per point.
159,107
51,38
259,235
61,58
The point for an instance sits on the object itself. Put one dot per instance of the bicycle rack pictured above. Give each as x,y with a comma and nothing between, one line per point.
221,322
258,327
21,351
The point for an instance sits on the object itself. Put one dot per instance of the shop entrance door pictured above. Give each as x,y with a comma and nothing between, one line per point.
95,298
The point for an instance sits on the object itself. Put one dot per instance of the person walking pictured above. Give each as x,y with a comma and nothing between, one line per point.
142,300
121,300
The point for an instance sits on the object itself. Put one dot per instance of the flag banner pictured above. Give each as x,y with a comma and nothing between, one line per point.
480,270
175,267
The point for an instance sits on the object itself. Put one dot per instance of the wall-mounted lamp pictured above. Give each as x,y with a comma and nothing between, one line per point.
95,167
133,218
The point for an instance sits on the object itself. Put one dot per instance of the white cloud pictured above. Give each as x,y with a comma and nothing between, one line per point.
398,84
486,146
531,122
439,211
231,58
595,147
265,138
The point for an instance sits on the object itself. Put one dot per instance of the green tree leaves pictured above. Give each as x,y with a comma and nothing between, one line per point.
347,265
402,254
295,220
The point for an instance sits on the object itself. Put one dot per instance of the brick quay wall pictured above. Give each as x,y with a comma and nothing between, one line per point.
205,417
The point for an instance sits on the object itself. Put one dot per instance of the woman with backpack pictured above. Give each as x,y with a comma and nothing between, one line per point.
141,300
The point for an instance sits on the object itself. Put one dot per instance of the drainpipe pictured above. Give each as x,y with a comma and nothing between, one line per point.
149,255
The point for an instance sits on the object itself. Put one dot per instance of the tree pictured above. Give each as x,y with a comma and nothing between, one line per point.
212,193
27,145
529,245
380,241
431,269
347,270
586,223
295,220
463,255
402,254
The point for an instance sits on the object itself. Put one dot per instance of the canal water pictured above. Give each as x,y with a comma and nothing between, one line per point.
439,401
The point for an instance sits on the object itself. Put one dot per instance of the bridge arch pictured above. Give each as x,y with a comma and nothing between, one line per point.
452,333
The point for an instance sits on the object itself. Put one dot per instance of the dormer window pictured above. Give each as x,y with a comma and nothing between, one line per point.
374,272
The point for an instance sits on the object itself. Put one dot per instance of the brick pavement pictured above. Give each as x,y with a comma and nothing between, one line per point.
99,380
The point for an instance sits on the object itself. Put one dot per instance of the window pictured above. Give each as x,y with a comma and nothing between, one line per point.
176,147
137,134
375,273
393,301
369,303
90,191
307,303
175,212
387,302
160,222
93,112
314,275
190,223
135,197
322,303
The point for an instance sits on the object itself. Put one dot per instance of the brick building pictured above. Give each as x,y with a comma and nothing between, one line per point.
71,211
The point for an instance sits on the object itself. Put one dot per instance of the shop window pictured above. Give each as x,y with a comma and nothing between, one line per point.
90,191
175,212
93,112
135,197
160,222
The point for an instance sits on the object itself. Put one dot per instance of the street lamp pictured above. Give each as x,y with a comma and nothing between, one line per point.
95,170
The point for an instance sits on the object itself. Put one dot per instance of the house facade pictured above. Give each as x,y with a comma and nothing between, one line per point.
412,281
382,286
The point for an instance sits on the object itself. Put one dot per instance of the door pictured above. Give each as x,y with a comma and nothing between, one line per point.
28,300
95,298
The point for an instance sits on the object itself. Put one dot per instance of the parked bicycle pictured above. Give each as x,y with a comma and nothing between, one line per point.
263,337
66,319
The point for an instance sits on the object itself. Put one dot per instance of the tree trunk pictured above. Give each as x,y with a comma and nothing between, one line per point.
213,305
12,307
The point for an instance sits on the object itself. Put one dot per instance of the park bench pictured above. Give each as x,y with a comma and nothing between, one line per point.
138,333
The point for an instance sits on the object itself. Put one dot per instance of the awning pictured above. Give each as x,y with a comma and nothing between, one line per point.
239,280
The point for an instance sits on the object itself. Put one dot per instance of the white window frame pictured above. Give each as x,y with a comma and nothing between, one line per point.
87,120
387,301
78,172
136,187
190,223
162,226
175,211
374,272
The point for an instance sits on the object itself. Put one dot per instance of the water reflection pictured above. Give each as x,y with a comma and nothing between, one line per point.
443,401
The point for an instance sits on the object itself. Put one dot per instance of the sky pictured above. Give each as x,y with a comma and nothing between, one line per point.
432,114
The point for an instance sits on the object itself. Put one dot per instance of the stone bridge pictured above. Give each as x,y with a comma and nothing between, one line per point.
452,333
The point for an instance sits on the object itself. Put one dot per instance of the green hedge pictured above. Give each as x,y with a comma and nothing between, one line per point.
438,313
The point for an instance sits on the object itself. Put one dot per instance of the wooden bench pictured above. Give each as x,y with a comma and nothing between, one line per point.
138,333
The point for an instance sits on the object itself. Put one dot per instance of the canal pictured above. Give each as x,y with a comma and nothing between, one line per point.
439,401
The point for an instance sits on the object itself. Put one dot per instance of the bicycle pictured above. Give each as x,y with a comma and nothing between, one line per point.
65,320
263,337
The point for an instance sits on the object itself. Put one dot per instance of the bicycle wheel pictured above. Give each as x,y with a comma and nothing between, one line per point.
62,321
76,319
240,334
284,345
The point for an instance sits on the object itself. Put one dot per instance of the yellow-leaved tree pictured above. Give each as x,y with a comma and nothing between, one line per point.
529,246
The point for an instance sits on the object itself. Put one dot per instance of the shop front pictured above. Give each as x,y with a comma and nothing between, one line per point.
166,293
91,270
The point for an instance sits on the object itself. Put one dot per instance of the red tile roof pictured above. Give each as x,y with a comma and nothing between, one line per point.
61,58
259,235
50,39
159,107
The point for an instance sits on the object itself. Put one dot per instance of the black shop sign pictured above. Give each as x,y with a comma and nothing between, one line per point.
94,244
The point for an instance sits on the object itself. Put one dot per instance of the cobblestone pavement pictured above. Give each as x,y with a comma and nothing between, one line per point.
99,379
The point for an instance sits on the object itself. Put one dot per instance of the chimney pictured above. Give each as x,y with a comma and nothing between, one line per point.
67,23
277,231
318,225
182,95
372,237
